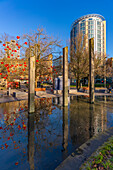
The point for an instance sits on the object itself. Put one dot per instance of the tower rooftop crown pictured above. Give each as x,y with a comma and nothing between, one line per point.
87,16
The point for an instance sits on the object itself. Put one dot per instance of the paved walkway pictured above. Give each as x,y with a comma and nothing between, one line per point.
47,94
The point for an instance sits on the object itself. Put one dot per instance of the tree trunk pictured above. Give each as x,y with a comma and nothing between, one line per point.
78,83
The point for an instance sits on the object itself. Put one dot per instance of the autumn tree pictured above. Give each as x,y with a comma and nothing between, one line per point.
79,58
11,65
43,46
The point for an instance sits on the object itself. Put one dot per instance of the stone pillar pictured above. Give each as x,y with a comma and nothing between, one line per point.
112,72
9,91
104,71
31,90
65,76
31,148
91,70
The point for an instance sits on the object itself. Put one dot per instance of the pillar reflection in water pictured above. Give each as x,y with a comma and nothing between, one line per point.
105,99
65,131
91,120
31,140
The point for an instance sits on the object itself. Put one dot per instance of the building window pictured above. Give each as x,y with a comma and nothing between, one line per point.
98,45
98,36
98,28
98,32
99,49
98,41
82,24
90,35
90,19
90,22
98,23
91,27
91,31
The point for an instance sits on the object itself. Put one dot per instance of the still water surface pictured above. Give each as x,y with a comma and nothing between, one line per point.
42,140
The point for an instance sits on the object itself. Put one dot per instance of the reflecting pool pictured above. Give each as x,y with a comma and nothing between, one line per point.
42,140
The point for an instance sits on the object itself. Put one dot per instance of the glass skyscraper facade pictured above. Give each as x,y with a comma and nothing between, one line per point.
92,25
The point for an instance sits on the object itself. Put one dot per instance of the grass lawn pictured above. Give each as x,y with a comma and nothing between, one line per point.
102,158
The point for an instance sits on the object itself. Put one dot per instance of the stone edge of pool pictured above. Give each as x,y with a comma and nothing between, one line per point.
81,154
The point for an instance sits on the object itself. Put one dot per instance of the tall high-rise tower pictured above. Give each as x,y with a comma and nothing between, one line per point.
93,25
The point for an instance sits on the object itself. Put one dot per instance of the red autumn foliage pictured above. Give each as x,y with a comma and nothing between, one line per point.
8,138
11,134
6,145
16,163
19,127
18,37
24,126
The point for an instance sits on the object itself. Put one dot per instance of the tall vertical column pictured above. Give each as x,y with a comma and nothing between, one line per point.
31,91
91,70
104,72
65,76
112,71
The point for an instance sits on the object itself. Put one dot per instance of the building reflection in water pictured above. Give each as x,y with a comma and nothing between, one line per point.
100,118
31,141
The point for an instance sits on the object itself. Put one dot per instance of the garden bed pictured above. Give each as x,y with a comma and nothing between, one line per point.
102,158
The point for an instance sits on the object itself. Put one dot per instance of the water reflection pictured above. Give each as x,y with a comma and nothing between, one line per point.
86,120
53,131
31,143
65,131
59,101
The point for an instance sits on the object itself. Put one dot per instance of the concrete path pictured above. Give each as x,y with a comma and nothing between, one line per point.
47,94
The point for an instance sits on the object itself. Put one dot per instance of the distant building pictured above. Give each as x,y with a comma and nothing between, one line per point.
58,66
92,25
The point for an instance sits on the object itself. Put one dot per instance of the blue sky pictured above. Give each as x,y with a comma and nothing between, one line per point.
56,16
